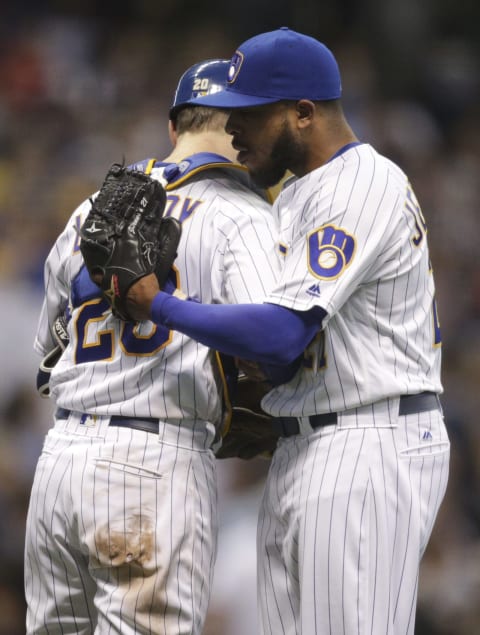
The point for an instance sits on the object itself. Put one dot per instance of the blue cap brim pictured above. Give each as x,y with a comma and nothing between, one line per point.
231,99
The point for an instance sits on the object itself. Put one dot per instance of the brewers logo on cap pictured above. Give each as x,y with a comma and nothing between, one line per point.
235,66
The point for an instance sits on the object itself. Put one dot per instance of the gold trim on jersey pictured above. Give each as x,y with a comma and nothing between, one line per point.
227,403
150,165
267,194
98,334
202,168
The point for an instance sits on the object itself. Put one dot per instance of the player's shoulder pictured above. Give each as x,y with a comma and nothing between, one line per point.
76,219
225,189
191,168
361,162
381,167
215,178
234,185
147,166
237,198
209,166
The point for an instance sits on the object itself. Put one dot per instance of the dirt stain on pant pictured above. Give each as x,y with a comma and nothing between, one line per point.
132,544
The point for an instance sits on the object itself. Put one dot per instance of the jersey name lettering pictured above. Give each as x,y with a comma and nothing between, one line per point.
187,206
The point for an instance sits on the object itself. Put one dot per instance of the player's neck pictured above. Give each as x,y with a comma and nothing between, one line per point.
326,146
208,141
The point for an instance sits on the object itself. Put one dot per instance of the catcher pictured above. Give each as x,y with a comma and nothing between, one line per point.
113,539
125,238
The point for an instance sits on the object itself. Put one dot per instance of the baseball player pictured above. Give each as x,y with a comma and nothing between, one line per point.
121,531
361,468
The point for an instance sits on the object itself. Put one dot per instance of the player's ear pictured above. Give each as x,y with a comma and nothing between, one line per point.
172,133
305,111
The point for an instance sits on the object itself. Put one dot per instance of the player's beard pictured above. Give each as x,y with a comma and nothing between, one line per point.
285,153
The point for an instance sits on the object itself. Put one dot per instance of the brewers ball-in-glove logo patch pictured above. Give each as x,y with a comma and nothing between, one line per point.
235,66
330,251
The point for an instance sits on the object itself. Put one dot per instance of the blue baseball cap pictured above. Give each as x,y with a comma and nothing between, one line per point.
203,78
275,66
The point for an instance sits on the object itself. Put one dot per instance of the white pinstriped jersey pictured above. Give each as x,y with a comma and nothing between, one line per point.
226,254
354,243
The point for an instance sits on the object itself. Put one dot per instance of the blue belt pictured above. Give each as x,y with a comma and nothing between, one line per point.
409,404
136,423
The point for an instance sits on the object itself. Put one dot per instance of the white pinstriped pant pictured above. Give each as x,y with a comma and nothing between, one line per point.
345,519
121,533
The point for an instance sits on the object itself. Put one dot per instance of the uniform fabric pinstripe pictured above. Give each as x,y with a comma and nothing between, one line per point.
122,529
348,509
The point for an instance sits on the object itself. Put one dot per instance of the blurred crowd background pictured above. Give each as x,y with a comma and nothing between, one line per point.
85,83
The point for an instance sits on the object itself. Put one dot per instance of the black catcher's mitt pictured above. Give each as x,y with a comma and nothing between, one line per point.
250,432
125,235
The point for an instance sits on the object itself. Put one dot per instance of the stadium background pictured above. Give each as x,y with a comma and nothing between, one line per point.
85,83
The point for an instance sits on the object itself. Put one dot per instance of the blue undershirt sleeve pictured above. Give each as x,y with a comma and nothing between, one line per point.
266,333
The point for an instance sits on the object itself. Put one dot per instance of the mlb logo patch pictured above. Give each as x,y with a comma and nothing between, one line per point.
89,421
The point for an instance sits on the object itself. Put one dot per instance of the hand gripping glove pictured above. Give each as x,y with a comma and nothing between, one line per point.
125,235
60,335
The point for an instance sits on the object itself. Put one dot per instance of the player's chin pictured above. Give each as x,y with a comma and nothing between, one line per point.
265,176
242,157
248,161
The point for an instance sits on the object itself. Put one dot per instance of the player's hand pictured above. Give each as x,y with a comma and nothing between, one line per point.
140,296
